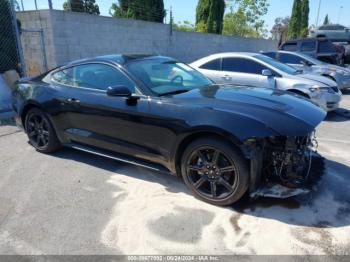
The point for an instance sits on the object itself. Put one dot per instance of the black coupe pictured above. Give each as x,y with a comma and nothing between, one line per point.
159,113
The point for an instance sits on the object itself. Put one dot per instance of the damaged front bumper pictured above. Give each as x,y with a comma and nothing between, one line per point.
280,166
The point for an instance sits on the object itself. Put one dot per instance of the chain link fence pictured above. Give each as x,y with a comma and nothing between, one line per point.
11,56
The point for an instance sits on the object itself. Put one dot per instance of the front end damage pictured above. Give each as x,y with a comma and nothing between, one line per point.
280,166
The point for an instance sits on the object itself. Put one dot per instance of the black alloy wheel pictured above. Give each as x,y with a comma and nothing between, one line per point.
215,171
40,132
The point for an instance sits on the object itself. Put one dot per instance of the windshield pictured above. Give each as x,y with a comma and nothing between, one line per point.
278,65
164,76
312,60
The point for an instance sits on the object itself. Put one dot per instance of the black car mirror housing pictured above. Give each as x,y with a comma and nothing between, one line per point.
306,63
119,91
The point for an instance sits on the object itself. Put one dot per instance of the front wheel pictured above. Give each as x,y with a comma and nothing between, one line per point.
215,171
40,132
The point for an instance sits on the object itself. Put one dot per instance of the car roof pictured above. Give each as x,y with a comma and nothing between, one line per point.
231,54
205,59
282,51
121,59
332,27
306,39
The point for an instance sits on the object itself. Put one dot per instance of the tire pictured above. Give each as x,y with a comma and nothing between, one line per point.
40,131
215,171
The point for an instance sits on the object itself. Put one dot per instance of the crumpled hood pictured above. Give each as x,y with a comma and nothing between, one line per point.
283,112
319,79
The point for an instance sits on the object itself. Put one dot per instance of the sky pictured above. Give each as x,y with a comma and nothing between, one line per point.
186,9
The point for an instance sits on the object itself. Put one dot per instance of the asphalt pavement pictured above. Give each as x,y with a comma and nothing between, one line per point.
75,203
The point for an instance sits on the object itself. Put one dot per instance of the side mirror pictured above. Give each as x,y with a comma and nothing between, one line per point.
121,91
305,63
267,72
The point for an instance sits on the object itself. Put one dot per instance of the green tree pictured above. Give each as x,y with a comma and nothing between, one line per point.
148,10
184,26
91,7
8,42
304,22
295,19
245,18
299,21
326,20
236,24
82,6
209,16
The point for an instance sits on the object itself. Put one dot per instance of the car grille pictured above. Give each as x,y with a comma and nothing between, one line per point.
331,105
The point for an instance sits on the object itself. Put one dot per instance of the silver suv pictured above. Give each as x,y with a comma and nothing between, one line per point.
262,71
333,32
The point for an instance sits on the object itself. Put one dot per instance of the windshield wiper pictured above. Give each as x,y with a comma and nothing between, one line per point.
176,92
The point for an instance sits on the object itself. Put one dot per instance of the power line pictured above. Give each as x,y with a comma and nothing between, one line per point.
318,12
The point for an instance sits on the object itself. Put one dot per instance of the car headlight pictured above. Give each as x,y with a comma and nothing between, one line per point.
317,88
341,72
346,73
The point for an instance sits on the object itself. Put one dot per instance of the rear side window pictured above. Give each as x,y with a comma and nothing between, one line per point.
212,65
94,76
64,77
290,47
290,59
242,65
308,46
326,47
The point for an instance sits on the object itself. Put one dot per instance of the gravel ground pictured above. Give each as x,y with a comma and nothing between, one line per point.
75,203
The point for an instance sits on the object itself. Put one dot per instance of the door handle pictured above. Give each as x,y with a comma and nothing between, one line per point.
73,100
227,77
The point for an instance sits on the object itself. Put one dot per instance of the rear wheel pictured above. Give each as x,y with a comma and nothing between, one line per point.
215,171
40,132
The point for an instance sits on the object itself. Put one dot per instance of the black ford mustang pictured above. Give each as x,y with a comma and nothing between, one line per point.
158,113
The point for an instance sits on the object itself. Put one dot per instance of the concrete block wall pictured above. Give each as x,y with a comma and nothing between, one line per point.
70,36
190,46
31,41
79,35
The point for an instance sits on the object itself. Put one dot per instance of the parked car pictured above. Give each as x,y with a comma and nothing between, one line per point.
262,71
320,48
336,32
158,113
308,64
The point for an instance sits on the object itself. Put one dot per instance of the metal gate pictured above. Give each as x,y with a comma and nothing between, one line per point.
34,52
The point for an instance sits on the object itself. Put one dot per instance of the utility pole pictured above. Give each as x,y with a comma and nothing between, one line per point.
36,5
50,4
22,5
318,12
340,13
171,20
